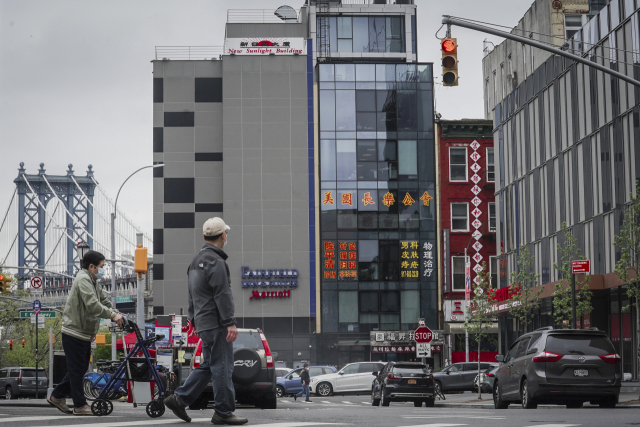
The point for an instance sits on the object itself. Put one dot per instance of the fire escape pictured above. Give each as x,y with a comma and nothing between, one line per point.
324,40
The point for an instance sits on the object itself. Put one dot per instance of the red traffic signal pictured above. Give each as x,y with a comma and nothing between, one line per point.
10,344
22,343
449,45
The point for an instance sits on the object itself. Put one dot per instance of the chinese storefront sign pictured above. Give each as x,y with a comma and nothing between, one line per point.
427,260
409,259
392,336
329,260
426,198
265,46
348,260
393,349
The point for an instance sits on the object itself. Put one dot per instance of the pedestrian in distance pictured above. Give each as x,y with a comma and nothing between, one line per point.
85,306
304,378
211,312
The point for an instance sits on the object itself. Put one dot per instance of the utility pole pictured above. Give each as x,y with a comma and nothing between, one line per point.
50,389
113,277
37,327
573,300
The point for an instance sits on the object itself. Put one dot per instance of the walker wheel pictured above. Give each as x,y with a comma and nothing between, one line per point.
101,407
155,408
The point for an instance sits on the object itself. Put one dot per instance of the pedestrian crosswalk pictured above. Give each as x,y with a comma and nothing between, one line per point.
96,422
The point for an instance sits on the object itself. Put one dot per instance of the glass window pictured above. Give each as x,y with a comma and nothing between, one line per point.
367,220
369,302
344,45
347,219
491,175
387,171
389,322
351,369
459,217
387,150
395,34
345,110
408,159
344,27
14,373
328,110
345,73
315,371
410,304
512,352
386,101
377,34
348,306
366,150
326,73
390,301
458,164
367,171
368,368
3,373
494,270
366,100
328,160
368,251
365,72
366,122
368,321
346,160
535,338
458,273
361,34
492,217
522,347
407,111
294,374
595,345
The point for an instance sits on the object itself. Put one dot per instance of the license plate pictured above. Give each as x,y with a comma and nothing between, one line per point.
580,372
411,382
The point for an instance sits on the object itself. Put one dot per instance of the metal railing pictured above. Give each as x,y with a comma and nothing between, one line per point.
258,16
189,53
345,2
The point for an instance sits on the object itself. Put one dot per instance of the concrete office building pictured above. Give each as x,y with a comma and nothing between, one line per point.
567,146
244,133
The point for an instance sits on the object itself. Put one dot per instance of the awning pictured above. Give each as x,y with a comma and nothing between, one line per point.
458,328
352,343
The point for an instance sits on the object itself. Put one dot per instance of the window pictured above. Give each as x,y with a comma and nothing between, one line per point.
531,51
328,370
367,368
502,82
494,270
458,164
3,373
351,369
315,371
458,273
522,347
491,166
492,217
459,217
572,24
14,374
495,88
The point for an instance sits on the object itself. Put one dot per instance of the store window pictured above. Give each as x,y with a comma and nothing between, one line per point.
458,164
458,273
492,217
459,216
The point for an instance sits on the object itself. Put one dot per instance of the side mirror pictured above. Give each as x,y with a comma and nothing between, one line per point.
447,372
341,373
500,358
532,351
374,373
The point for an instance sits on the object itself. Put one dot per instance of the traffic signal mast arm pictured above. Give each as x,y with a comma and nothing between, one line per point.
448,20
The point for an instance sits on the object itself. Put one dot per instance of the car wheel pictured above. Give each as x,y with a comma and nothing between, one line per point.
324,389
374,400
438,387
384,400
269,402
430,403
279,391
608,403
527,401
498,403
574,405
417,404
8,393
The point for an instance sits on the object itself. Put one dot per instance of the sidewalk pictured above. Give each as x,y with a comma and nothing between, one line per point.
470,400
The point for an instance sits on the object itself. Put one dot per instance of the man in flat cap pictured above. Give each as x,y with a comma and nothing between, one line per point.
211,312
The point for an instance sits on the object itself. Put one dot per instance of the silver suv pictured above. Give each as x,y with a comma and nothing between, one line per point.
559,366
20,381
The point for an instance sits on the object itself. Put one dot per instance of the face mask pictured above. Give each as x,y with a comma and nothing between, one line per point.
225,243
100,274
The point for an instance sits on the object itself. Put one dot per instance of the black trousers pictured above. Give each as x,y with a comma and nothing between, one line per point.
78,354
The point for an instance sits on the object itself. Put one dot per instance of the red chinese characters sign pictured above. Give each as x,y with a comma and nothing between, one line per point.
329,260
347,260
393,349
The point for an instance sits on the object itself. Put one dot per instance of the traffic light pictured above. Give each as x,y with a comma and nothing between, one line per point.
140,260
5,284
449,47
22,343
11,345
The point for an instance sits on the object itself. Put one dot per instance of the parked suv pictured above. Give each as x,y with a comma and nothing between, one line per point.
459,376
354,378
22,382
559,366
403,382
291,384
254,373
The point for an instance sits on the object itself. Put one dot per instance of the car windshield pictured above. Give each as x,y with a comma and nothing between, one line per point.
248,340
31,373
567,344
409,369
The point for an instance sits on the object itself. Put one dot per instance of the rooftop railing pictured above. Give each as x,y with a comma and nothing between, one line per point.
356,2
189,53
260,16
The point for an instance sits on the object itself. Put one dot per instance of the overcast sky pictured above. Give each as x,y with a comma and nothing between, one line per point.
75,79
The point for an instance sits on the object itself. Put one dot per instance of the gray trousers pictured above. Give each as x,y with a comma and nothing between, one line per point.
217,367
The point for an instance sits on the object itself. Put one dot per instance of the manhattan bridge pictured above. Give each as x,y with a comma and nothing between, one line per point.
47,217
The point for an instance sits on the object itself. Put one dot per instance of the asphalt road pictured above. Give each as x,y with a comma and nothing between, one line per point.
339,411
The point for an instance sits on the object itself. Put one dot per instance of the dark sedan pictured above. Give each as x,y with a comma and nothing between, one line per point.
403,382
459,376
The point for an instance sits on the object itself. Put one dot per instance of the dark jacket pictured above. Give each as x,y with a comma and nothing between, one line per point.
210,298
304,376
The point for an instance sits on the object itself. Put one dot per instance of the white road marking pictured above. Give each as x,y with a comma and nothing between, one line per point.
176,421
347,402
557,425
453,416
367,403
326,401
38,418
438,425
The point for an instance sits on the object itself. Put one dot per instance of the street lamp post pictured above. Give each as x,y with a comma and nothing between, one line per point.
113,253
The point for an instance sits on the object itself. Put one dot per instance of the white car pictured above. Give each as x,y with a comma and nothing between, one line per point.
354,378
281,372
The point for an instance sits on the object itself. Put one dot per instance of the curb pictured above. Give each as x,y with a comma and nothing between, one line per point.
488,406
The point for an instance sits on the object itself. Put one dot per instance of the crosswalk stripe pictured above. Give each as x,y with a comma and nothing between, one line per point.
347,402
484,417
438,425
193,420
557,425
38,418
326,401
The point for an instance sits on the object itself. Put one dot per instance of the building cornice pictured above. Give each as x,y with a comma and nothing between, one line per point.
467,128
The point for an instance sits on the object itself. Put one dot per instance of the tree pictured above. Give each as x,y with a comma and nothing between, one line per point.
569,251
627,267
480,316
523,296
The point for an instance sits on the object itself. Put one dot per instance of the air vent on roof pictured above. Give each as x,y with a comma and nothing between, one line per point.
286,13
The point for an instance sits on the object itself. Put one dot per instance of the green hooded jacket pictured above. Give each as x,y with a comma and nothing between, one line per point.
86,305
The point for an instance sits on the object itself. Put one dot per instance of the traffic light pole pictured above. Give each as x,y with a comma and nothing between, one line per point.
50,389
36,354
448,20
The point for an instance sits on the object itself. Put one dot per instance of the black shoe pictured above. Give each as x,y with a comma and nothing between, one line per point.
295,397
172,403
311,401
232,420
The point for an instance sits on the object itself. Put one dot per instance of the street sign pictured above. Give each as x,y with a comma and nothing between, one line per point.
423,349
36,306
124,299
36,282
581,266
423,335
40,320
93,343
41,315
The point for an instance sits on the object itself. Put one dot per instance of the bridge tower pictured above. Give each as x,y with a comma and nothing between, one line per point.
34,194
